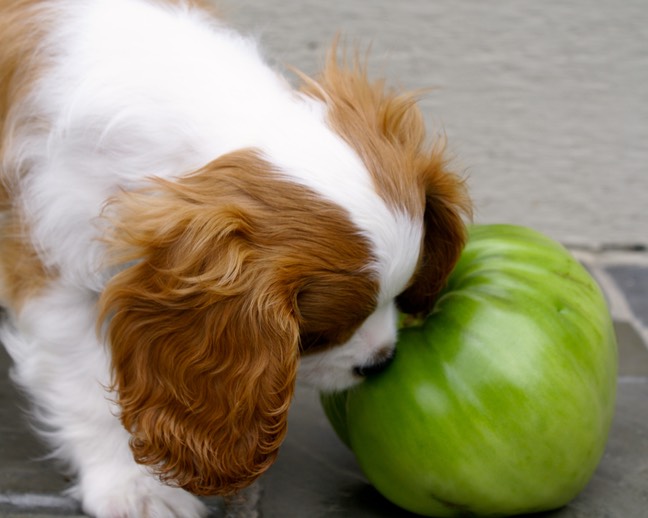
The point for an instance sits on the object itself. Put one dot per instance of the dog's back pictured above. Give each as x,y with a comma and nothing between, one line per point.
97,96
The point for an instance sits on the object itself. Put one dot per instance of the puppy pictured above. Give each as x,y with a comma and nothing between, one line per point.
182,231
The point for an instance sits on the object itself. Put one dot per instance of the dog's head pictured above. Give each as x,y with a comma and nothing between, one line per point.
236,273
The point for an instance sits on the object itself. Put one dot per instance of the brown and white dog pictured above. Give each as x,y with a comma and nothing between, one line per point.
182,232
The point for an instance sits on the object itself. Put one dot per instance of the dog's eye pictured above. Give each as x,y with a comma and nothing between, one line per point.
312,341
331,306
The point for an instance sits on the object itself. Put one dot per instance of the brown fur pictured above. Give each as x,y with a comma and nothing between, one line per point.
232,266
22,273
20,36
387,130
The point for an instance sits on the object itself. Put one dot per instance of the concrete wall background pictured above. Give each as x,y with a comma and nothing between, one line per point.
545,104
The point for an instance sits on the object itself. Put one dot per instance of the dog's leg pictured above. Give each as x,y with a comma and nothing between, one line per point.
245,503
63,366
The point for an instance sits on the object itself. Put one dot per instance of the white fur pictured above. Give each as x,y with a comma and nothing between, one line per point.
102,125
206,92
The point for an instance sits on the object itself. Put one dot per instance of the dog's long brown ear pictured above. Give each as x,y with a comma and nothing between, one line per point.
446,202
204,340
387,129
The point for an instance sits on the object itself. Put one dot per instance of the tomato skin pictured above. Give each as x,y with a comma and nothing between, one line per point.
501,401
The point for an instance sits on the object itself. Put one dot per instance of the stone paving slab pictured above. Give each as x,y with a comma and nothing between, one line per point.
633,282
316,476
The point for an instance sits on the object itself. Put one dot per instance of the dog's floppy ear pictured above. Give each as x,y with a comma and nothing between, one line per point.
204,340
446,201
386,127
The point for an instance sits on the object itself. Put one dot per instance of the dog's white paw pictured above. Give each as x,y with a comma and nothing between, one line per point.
140,496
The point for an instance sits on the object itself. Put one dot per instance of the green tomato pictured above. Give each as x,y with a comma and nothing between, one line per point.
500,402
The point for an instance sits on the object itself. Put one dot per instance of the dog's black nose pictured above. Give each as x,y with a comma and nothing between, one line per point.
377,366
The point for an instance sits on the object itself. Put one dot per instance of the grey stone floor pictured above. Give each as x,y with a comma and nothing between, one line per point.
316,476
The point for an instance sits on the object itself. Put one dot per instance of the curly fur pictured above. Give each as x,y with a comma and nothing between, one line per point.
205,325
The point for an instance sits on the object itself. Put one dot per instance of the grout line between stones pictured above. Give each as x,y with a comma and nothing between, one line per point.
617,301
